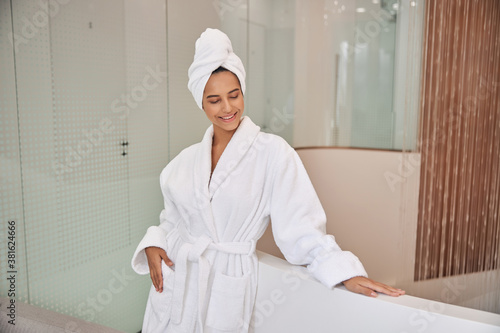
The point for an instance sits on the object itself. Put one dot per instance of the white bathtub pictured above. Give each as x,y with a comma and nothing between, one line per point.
290,300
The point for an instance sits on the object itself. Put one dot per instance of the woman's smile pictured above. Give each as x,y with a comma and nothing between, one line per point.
229,118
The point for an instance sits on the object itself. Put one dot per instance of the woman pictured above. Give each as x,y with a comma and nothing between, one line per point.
219,195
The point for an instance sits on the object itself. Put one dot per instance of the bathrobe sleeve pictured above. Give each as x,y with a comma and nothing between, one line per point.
299,225
157,235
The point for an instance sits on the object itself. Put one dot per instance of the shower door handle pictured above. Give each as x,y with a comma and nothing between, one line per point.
124,144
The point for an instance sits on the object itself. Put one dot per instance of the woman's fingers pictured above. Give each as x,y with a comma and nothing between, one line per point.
157,278
369,287
155,255
355,285
166,259
156,275
366,291
389,290
383,288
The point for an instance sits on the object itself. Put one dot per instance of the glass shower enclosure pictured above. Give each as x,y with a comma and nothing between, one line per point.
83,116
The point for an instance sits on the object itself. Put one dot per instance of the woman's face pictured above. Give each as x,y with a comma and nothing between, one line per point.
223,101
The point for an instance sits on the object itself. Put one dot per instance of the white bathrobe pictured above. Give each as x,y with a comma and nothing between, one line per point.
210,225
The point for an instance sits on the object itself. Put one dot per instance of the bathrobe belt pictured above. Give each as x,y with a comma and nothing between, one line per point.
194,252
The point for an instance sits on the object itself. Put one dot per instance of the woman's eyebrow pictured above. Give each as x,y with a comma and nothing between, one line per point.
209,96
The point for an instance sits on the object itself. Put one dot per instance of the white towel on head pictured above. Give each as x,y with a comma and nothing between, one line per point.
213,50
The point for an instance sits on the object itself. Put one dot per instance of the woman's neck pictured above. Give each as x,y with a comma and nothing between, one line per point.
219,143
221,137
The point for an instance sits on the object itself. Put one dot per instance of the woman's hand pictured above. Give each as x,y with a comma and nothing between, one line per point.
368,287
155,256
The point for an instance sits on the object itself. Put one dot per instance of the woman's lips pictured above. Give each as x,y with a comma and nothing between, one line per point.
228,119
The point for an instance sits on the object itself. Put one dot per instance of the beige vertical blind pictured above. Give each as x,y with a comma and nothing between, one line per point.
458,228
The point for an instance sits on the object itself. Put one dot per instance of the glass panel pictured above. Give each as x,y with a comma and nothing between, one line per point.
92,104
323,73
372,116
271,61
319,73
13,277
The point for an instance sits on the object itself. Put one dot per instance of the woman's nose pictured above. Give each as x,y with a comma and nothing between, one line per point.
226,107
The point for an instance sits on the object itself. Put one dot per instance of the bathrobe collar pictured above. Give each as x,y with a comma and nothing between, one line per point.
206,186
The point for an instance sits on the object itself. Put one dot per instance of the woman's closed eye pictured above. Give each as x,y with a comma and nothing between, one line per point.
215,101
